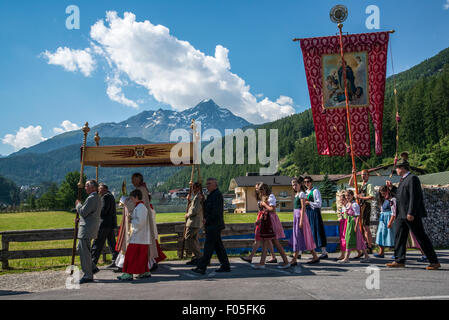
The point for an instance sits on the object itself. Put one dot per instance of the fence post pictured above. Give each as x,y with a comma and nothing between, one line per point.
5,248
180,238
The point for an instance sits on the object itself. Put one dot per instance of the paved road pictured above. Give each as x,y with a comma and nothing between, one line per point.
327,280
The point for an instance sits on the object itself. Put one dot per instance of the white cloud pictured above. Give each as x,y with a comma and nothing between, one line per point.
172,70
72,60
25,137
66,125
446,5
114,92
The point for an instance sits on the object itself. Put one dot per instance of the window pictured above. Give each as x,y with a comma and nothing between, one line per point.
283,194
283,205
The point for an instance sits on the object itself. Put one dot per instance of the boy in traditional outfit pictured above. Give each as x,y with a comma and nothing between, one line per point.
136,257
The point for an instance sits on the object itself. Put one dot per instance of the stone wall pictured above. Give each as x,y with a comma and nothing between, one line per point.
436,224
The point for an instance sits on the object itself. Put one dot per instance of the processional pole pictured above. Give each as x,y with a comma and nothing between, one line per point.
339,14
80,192
97,143
193,127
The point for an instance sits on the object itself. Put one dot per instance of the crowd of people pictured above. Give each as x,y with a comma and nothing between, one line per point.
137,251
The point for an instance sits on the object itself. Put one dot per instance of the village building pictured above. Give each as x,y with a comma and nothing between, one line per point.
245,192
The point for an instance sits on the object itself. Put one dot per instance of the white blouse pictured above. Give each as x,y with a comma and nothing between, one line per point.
272,200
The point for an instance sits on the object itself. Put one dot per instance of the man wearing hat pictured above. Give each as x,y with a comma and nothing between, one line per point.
409,213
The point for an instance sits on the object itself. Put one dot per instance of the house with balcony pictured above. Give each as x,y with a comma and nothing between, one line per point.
245,192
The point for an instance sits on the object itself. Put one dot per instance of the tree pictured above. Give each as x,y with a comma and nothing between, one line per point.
68,190
327,189
48,199
31,201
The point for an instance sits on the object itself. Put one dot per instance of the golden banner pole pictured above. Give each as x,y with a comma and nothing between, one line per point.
97,143
80,191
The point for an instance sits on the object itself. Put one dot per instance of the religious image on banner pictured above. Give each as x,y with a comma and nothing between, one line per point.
365,55
356,80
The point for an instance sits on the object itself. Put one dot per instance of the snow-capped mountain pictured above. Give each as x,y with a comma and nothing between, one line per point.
154,126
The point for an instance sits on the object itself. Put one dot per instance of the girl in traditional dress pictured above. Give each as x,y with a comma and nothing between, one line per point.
385,234
302,239
136,257
257,239
313,209
276,232
342,224
353,235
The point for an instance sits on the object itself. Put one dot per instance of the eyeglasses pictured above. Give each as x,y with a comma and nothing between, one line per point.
307,181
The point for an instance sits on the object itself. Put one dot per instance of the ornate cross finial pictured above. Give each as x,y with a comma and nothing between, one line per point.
97,139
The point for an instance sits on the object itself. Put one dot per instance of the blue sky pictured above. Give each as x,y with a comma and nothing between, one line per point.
243,46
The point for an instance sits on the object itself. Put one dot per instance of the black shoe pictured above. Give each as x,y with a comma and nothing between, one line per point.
324,256
154,267
118,270
313,261
192,262
96,270
223,269
86,280
200,271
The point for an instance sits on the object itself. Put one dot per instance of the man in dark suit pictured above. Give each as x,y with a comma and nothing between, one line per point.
108,224
213,224
409,213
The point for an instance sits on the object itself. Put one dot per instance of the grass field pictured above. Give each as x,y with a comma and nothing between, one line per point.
61,219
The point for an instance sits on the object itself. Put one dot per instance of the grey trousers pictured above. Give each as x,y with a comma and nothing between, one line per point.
193,244
85,257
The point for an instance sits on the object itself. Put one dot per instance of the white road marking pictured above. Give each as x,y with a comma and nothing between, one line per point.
415,298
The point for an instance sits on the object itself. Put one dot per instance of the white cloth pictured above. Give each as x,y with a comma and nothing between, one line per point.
356,208
272,200
302,195
140,225
120,260
393,206
316,204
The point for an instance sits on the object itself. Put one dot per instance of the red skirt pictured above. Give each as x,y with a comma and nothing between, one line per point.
136,259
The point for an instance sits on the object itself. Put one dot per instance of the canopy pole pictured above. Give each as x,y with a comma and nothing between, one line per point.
80,191
97,143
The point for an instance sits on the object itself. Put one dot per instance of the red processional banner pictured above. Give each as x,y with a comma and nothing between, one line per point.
366,62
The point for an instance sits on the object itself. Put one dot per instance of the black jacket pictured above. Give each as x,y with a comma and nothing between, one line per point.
108,212
409,198
213,210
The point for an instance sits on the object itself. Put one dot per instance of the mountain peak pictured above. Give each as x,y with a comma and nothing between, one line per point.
206,103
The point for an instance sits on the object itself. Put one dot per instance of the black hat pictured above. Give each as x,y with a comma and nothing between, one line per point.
404,164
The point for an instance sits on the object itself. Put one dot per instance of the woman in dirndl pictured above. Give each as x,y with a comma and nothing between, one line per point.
385,232
257,239
353,234
301,239
270,227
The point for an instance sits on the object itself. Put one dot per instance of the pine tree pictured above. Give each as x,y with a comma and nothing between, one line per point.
327,189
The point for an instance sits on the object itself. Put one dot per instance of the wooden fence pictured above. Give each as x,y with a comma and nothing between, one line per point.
170,239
